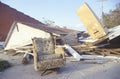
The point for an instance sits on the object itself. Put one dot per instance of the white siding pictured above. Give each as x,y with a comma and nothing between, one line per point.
22,35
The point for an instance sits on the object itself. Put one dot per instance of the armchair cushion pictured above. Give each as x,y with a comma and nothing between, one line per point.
50,64
49,57
44,46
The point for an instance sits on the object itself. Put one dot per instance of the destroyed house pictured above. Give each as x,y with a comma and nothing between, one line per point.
9,15
21,34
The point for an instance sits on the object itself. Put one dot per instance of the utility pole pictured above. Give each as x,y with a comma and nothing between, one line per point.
102,9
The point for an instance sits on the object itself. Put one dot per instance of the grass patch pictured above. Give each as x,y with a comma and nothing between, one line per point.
4,65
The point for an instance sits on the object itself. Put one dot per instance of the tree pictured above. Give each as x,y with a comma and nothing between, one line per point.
112,19
50,23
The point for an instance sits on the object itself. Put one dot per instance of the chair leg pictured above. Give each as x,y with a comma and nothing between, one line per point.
43,72
51,71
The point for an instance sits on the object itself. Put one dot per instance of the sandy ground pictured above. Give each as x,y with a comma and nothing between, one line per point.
72,70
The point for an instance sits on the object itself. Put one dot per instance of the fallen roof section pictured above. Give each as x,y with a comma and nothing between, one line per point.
21,34
114,32
46,28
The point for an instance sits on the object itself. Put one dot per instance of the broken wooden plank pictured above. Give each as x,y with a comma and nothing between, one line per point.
75,54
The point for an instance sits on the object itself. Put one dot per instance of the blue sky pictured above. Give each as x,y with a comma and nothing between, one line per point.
62,12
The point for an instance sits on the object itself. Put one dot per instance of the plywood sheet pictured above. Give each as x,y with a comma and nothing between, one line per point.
91,22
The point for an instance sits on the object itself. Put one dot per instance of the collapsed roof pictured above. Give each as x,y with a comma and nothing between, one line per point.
8,15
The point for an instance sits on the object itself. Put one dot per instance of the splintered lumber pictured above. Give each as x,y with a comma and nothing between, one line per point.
97,51
75,54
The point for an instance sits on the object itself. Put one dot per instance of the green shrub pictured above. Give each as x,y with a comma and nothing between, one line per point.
4,65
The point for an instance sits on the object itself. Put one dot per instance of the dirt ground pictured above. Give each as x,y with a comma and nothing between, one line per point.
88,69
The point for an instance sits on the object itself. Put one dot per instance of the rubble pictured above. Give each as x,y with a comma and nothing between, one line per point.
71,39
97,51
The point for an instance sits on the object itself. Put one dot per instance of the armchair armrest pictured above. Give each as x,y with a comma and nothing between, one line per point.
60,50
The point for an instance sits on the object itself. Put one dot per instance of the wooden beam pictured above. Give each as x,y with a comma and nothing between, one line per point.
35,57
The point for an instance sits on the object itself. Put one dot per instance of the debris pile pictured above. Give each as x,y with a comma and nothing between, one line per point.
71,39
97,51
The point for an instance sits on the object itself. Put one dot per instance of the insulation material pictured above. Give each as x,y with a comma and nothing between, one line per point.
71,39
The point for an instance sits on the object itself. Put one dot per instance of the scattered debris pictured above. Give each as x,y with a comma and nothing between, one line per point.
71,38
27,57
97,51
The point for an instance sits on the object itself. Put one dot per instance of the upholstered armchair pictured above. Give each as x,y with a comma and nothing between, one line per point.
45,57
